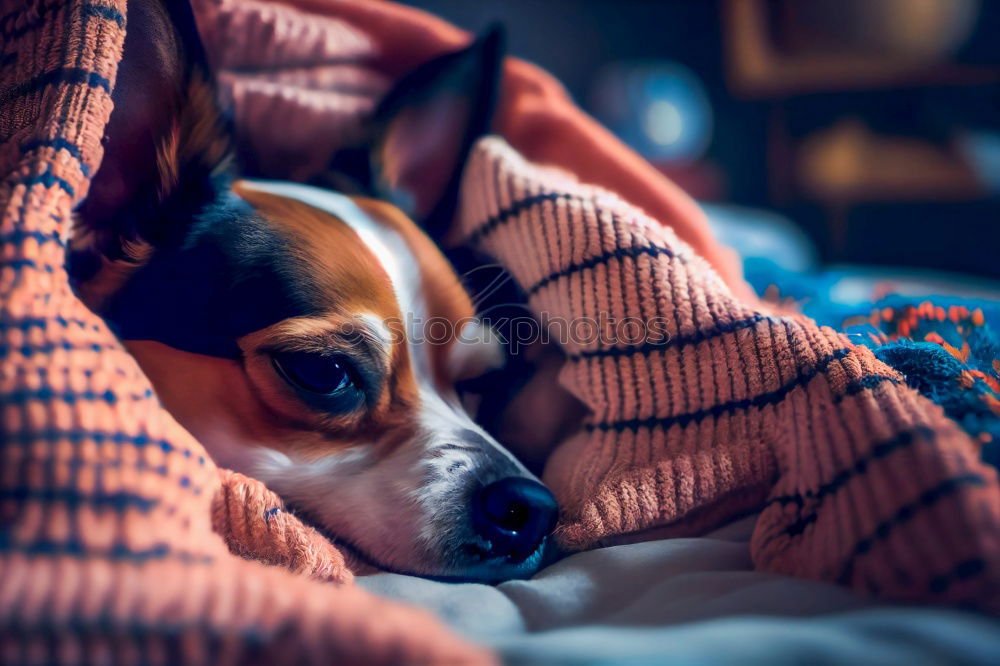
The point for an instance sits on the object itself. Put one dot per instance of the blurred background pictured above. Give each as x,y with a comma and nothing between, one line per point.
866,131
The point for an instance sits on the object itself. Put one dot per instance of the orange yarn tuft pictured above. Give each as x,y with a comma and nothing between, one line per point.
255,524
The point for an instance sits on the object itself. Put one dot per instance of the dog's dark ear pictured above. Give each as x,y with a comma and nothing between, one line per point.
426,125
167,145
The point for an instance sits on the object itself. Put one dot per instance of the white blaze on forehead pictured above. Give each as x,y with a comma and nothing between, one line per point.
374,324
475,349
343,208
386,244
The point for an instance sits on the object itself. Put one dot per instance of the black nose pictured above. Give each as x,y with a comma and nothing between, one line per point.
514,515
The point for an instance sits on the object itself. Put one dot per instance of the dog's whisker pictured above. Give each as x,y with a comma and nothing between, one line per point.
480,267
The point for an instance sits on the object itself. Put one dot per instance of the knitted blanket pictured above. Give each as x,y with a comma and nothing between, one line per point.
730,409
863,481
111,514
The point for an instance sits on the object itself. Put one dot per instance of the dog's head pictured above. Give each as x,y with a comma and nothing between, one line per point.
308,338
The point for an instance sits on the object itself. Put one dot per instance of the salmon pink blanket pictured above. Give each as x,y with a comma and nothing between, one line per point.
111,514
861,481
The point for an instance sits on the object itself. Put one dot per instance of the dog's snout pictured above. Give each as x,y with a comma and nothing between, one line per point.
514,515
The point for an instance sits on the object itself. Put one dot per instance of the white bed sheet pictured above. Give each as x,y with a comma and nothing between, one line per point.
691,601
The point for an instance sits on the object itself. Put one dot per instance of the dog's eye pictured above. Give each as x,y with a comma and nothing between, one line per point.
325,375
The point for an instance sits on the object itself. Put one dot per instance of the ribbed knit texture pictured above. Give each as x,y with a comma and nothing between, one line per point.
863,481
106,505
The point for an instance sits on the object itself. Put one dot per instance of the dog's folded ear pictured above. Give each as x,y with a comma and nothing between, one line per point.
425,126
167,144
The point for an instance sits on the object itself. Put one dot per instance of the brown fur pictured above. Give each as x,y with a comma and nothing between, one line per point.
348,280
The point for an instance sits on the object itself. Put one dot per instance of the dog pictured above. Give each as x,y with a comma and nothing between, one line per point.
282,324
